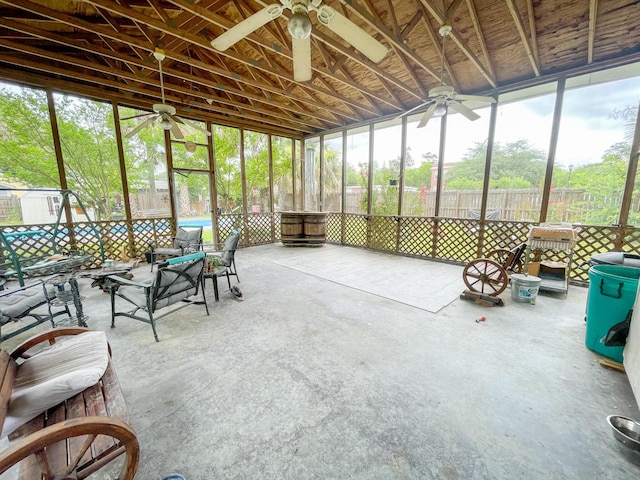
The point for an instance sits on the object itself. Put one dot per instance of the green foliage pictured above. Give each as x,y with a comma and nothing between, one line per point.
228,176
518,163
417,177
87,139
604,182
27,154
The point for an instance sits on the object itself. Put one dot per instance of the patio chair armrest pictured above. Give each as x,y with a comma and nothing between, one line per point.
124,281
185,258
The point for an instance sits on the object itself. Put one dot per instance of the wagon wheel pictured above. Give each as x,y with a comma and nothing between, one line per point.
92,442
501,255
485,276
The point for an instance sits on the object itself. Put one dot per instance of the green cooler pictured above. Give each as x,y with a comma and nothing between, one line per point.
612,293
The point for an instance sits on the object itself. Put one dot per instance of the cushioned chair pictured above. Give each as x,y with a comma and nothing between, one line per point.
176,280
21,303
186,241
226,257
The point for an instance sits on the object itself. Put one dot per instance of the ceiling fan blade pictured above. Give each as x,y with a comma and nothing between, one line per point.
175,129
142,125
475,98
411,110
196,127
352,33
427,115
464,110
137,116
246,27
301,59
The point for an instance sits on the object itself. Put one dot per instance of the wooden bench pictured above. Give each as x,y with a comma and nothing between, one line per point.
87,433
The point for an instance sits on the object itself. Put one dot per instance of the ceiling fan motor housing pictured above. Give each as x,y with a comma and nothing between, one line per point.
442,91
164,108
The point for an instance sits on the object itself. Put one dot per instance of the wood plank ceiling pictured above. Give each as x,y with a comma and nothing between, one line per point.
103,48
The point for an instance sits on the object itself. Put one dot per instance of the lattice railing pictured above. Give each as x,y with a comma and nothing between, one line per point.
259,228
450,239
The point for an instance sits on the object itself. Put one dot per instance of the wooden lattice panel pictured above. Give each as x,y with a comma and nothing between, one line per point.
504,235
591,241
334,227
229,223
416,235
355,230
28,241
383,233
631,240
456,239
259,228
158,231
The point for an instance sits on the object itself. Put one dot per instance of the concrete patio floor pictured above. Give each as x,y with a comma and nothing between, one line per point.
348,364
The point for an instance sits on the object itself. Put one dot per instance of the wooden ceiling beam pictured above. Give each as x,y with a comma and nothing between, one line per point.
400,53
395,41
436,38
285,51
478,28
337,66
593,16
41,81
392,14
408,28
451,9
532,30
357,57
160,11
515,14
118,86
442,18
131,41
151,22
146,80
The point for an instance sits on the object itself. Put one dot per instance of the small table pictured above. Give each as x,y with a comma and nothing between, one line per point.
65,297
214,271
120,269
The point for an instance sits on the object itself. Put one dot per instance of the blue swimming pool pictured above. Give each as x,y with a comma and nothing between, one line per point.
194,222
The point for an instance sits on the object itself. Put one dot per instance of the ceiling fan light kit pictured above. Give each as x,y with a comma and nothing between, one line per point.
440,110
299,23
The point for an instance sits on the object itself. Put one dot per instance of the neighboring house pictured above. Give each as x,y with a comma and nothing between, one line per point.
40,206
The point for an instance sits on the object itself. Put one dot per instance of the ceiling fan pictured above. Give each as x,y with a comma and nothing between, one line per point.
166,113
444,96
300,30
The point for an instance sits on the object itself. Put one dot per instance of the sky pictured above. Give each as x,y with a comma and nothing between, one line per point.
586,128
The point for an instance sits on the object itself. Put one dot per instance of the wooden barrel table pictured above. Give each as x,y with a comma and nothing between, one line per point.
306,229
291,227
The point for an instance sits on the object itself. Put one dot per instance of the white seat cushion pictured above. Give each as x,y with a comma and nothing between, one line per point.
55,374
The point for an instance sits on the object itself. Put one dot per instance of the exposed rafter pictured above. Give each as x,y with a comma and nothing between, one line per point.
442,18
593,15
513,9
104,48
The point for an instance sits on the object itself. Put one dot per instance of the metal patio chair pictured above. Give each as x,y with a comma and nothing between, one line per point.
176,280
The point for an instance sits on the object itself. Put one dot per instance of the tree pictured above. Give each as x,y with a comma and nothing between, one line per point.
514,165
603,182
228,178
87,139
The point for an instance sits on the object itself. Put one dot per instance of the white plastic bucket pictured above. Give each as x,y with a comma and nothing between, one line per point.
524,288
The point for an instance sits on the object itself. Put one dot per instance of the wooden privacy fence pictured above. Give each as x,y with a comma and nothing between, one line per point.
565,204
